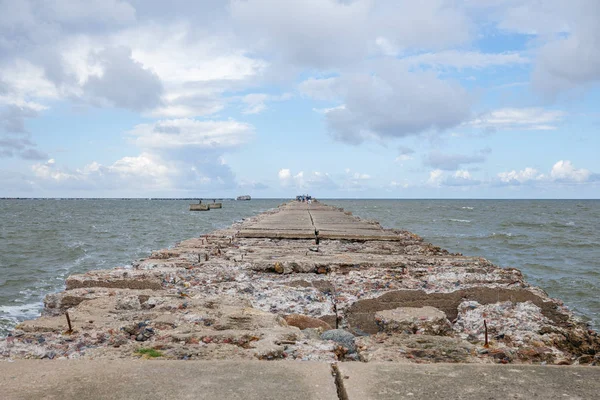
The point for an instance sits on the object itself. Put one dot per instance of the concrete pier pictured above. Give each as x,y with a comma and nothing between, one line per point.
313,283
306,221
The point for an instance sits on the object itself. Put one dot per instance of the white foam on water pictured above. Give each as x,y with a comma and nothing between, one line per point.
467,221
23,311
500,234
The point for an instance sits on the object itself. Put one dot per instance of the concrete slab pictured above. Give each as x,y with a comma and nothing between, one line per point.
277,234
153,379
359,236
383,381
300,220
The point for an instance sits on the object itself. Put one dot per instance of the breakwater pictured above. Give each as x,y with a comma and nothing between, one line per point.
307,282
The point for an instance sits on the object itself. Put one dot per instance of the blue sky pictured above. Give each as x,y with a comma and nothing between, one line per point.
337,98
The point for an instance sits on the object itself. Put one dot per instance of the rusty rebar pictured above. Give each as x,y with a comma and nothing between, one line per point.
486,333
69,322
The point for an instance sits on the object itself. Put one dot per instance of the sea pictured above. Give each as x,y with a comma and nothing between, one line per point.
555,243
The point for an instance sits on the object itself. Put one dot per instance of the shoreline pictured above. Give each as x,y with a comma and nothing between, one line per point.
246,291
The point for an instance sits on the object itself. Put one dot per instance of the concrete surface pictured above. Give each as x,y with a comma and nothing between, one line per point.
300,221
384,381
154,379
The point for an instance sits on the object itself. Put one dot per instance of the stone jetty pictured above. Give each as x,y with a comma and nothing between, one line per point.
306,282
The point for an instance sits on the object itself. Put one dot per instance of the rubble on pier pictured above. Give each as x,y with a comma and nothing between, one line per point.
265,289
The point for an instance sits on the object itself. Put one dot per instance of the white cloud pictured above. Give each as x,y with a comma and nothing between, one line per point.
393,102
146,165
48,171
182,156
145,170
396,185
328,34
123,82
386,47
132,175
534,118
406,154
355,181
403,157
466,59
439,178
359,176
435,177
567,34
320,88
523,176
256,102
329,109
462,174
449,162
88,11
302,180
27,81
461,178
562,171
565,171
285,176
191,134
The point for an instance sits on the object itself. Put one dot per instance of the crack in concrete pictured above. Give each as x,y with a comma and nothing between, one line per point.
338,379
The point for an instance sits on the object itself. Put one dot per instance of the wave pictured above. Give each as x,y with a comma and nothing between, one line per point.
467,208
468,221
522,224
30,310
505,235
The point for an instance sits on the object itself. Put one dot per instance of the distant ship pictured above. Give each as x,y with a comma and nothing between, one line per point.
245,197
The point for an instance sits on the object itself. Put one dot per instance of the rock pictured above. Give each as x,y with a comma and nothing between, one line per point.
562,361
321,270
401,347
90,281
278,268
312,333
128,303
304,321
342,337
585,359
422,320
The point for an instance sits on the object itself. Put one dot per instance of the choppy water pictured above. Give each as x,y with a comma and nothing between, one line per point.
556,243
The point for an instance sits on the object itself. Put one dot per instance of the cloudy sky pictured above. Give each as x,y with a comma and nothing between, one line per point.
272,98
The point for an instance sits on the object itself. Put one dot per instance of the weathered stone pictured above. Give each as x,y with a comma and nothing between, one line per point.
77,281
342,337
304,321
422,320
128,303
278,268
361,314
383,347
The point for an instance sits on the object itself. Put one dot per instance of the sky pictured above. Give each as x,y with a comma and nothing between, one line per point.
274,98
